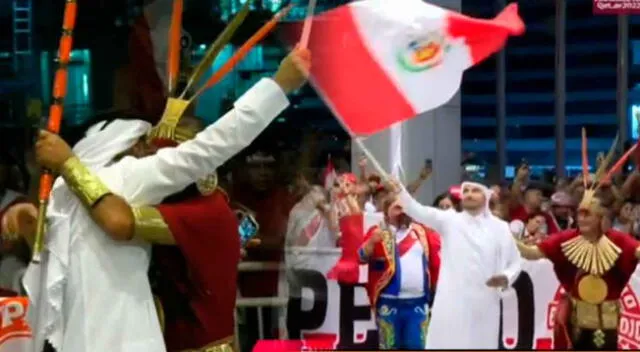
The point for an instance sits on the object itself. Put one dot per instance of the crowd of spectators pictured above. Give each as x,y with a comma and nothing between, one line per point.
287,190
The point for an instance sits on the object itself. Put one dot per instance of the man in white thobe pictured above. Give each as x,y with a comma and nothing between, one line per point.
479,260
91,293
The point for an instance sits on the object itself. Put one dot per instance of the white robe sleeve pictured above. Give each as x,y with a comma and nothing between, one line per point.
429,216
149,180
510,259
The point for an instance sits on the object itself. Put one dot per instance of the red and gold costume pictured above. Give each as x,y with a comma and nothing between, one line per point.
385,253
195,233
195,262
593,273
399,297
197,276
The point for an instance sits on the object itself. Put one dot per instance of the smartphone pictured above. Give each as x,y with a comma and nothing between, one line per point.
428,163
247,227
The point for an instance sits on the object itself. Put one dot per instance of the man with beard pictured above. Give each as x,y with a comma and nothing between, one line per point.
479,260
93,283
404,260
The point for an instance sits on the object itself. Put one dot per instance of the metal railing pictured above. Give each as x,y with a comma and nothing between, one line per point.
278,303
260,303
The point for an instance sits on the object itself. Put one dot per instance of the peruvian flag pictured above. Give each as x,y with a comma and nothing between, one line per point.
329,175
378,62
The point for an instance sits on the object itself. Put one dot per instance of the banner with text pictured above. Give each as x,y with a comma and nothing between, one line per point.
335,316
15,334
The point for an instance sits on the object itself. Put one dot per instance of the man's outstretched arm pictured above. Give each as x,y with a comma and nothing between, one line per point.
529,251
151,179
426,215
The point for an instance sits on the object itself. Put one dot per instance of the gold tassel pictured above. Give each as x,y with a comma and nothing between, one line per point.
173,111
602,168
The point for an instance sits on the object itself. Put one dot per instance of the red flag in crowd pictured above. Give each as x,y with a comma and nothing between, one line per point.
329,176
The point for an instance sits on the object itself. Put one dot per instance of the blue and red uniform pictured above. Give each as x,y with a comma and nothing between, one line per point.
403,272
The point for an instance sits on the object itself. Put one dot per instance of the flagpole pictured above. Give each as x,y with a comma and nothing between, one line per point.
374,162
306,29
304,43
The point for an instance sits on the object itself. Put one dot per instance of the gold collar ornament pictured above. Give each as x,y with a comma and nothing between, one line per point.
595,258
178,102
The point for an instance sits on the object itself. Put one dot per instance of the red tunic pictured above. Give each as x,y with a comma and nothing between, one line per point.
378,279
569,276
203,270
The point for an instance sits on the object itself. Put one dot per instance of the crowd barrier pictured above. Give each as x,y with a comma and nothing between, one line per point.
345,318
338,316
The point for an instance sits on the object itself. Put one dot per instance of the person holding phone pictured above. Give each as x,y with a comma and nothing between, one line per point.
426,171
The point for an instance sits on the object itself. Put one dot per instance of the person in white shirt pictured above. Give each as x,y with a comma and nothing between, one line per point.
91,293
308,240
479,260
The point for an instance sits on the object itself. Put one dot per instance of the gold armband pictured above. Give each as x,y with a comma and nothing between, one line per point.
84,183
151,227
531,252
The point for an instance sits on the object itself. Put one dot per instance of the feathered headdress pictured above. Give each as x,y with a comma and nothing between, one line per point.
589,200
167,131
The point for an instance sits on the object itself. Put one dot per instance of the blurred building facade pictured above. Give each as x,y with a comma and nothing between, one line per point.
590,82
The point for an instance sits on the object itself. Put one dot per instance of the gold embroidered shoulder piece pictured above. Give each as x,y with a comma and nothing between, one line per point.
595,258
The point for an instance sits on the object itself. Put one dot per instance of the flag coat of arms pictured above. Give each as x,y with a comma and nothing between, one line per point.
377,62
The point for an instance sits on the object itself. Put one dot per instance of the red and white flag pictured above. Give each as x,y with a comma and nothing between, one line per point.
377,62
329,176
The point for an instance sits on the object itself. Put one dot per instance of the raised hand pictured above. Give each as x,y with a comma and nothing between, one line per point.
426,172
294,70
523,172
362,163
52,151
